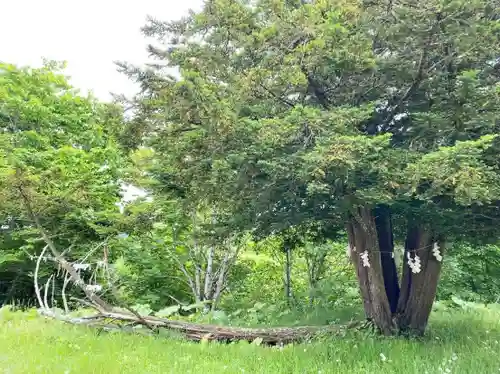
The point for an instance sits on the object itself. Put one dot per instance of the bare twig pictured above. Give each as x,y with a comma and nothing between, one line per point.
46,291
35,280
94,249
175,299
52,302
63,292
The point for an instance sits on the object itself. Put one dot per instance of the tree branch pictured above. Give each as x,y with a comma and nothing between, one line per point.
55,252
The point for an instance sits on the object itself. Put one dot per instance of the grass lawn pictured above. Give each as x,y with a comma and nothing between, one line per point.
459,341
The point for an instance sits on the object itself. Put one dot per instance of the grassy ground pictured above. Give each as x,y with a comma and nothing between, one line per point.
459,341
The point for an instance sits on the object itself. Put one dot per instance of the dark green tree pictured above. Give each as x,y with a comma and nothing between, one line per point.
379,117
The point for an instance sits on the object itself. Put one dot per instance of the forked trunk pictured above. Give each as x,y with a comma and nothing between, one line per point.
418,289
372,252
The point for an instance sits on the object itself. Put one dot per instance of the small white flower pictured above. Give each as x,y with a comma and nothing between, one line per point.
382,357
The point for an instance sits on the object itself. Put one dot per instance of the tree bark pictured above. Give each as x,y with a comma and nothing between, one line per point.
208,286
390,307
221,280
201,332
383,222
363,239
418,290
288,273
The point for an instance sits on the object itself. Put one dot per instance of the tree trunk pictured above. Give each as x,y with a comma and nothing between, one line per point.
372,252
208,285
383,222
288,273
315,269
201,332
363,239
418,290
221,280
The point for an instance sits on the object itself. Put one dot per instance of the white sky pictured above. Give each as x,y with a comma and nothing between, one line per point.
89,35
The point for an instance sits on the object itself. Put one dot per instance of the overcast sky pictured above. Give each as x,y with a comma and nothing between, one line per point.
89,35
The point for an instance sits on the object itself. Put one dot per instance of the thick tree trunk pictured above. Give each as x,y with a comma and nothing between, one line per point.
372,252
418,290
363,239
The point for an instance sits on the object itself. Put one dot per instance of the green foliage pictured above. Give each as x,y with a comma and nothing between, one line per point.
147,273
59,165
286,117
472,273
287,114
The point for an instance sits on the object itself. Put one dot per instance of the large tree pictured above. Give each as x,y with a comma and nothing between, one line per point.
378,116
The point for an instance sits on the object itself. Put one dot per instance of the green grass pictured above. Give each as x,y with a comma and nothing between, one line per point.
460,341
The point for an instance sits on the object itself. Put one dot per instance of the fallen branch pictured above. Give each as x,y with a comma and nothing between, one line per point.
199,332
128,316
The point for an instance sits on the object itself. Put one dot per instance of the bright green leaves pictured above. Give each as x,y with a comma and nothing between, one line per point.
354,167
41,101
459,172
57,154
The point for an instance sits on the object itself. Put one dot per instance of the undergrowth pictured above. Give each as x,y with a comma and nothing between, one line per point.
461,339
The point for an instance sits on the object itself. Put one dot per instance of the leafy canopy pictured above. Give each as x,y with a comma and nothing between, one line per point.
287,112
58,157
